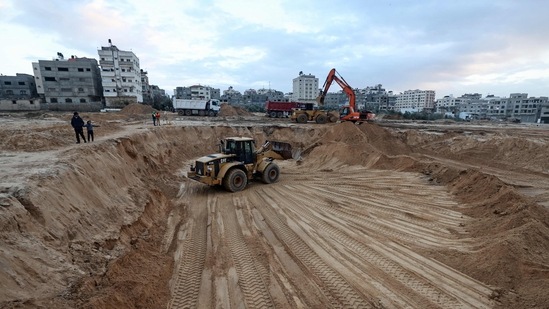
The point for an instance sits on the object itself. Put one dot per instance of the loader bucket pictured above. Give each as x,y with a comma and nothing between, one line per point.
283,149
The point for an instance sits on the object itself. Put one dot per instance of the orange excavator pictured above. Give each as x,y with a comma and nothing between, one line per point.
348,112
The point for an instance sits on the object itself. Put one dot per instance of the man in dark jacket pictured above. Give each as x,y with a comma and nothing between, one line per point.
78,124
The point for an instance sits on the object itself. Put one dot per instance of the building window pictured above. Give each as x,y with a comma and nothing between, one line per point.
22,83
63,69
23,92
7,83
80,69
49,79
47,68
80,89
88,69
66,89
14,102
9,91
107,90
64,78
82,100
53,100
68,100
31,102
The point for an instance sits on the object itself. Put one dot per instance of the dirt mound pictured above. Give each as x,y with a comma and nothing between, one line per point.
228,110
137,108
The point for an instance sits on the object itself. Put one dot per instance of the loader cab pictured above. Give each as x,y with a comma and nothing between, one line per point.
242,147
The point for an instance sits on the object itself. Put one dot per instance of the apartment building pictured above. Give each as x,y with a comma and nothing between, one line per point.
121,76
305,88
18,93
68,84
527,109
415,100
145,87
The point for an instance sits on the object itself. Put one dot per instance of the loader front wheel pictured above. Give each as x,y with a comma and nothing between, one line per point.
270,173
301,118
235,180
321,119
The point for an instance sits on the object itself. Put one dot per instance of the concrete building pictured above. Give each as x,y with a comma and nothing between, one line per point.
145,87
517,106
231,95
18,93
305,88
20,86
199,92
121,76
375,98
524,108
415,100
68,84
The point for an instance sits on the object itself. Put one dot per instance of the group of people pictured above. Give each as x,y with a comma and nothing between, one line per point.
156,118
78,124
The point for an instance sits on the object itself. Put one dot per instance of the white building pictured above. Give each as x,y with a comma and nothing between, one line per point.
415,100
121,76
305,88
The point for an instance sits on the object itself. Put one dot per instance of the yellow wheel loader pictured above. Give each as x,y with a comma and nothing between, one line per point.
238,162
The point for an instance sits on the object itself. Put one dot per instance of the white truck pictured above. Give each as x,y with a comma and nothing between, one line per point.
196,107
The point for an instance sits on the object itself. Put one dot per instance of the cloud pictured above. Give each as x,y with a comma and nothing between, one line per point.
445,46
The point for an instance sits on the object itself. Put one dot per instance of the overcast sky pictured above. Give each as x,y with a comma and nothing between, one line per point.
453,47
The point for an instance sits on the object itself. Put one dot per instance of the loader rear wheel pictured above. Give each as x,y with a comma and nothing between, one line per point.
301,118
270,173
235,180
320,119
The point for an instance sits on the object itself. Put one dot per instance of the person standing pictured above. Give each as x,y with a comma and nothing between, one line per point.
157,118
154,118
89,126
78,124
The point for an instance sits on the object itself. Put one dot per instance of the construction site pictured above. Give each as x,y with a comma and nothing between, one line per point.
377,214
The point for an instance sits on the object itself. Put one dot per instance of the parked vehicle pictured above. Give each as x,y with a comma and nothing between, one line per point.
196,107
275,109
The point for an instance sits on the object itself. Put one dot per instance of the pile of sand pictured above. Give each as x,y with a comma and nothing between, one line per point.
137,108
230,110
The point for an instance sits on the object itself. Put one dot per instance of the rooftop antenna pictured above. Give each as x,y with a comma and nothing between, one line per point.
110,42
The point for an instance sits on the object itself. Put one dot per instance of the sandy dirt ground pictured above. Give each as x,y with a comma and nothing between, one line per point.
378,215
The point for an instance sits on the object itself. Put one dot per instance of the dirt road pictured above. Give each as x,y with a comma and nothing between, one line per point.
374,216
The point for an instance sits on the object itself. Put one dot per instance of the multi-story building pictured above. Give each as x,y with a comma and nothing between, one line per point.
305,88
145,87
20,86
69,84
449,104
526,109
121,76
416,100
231,95
18,92
376,98
182,93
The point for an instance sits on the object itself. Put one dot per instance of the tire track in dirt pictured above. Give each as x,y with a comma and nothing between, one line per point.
255,291
441,292
187,279
340,293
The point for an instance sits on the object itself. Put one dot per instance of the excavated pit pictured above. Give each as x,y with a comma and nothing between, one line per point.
419,216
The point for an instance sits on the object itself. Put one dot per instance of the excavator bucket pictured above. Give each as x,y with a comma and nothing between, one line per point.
283,149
